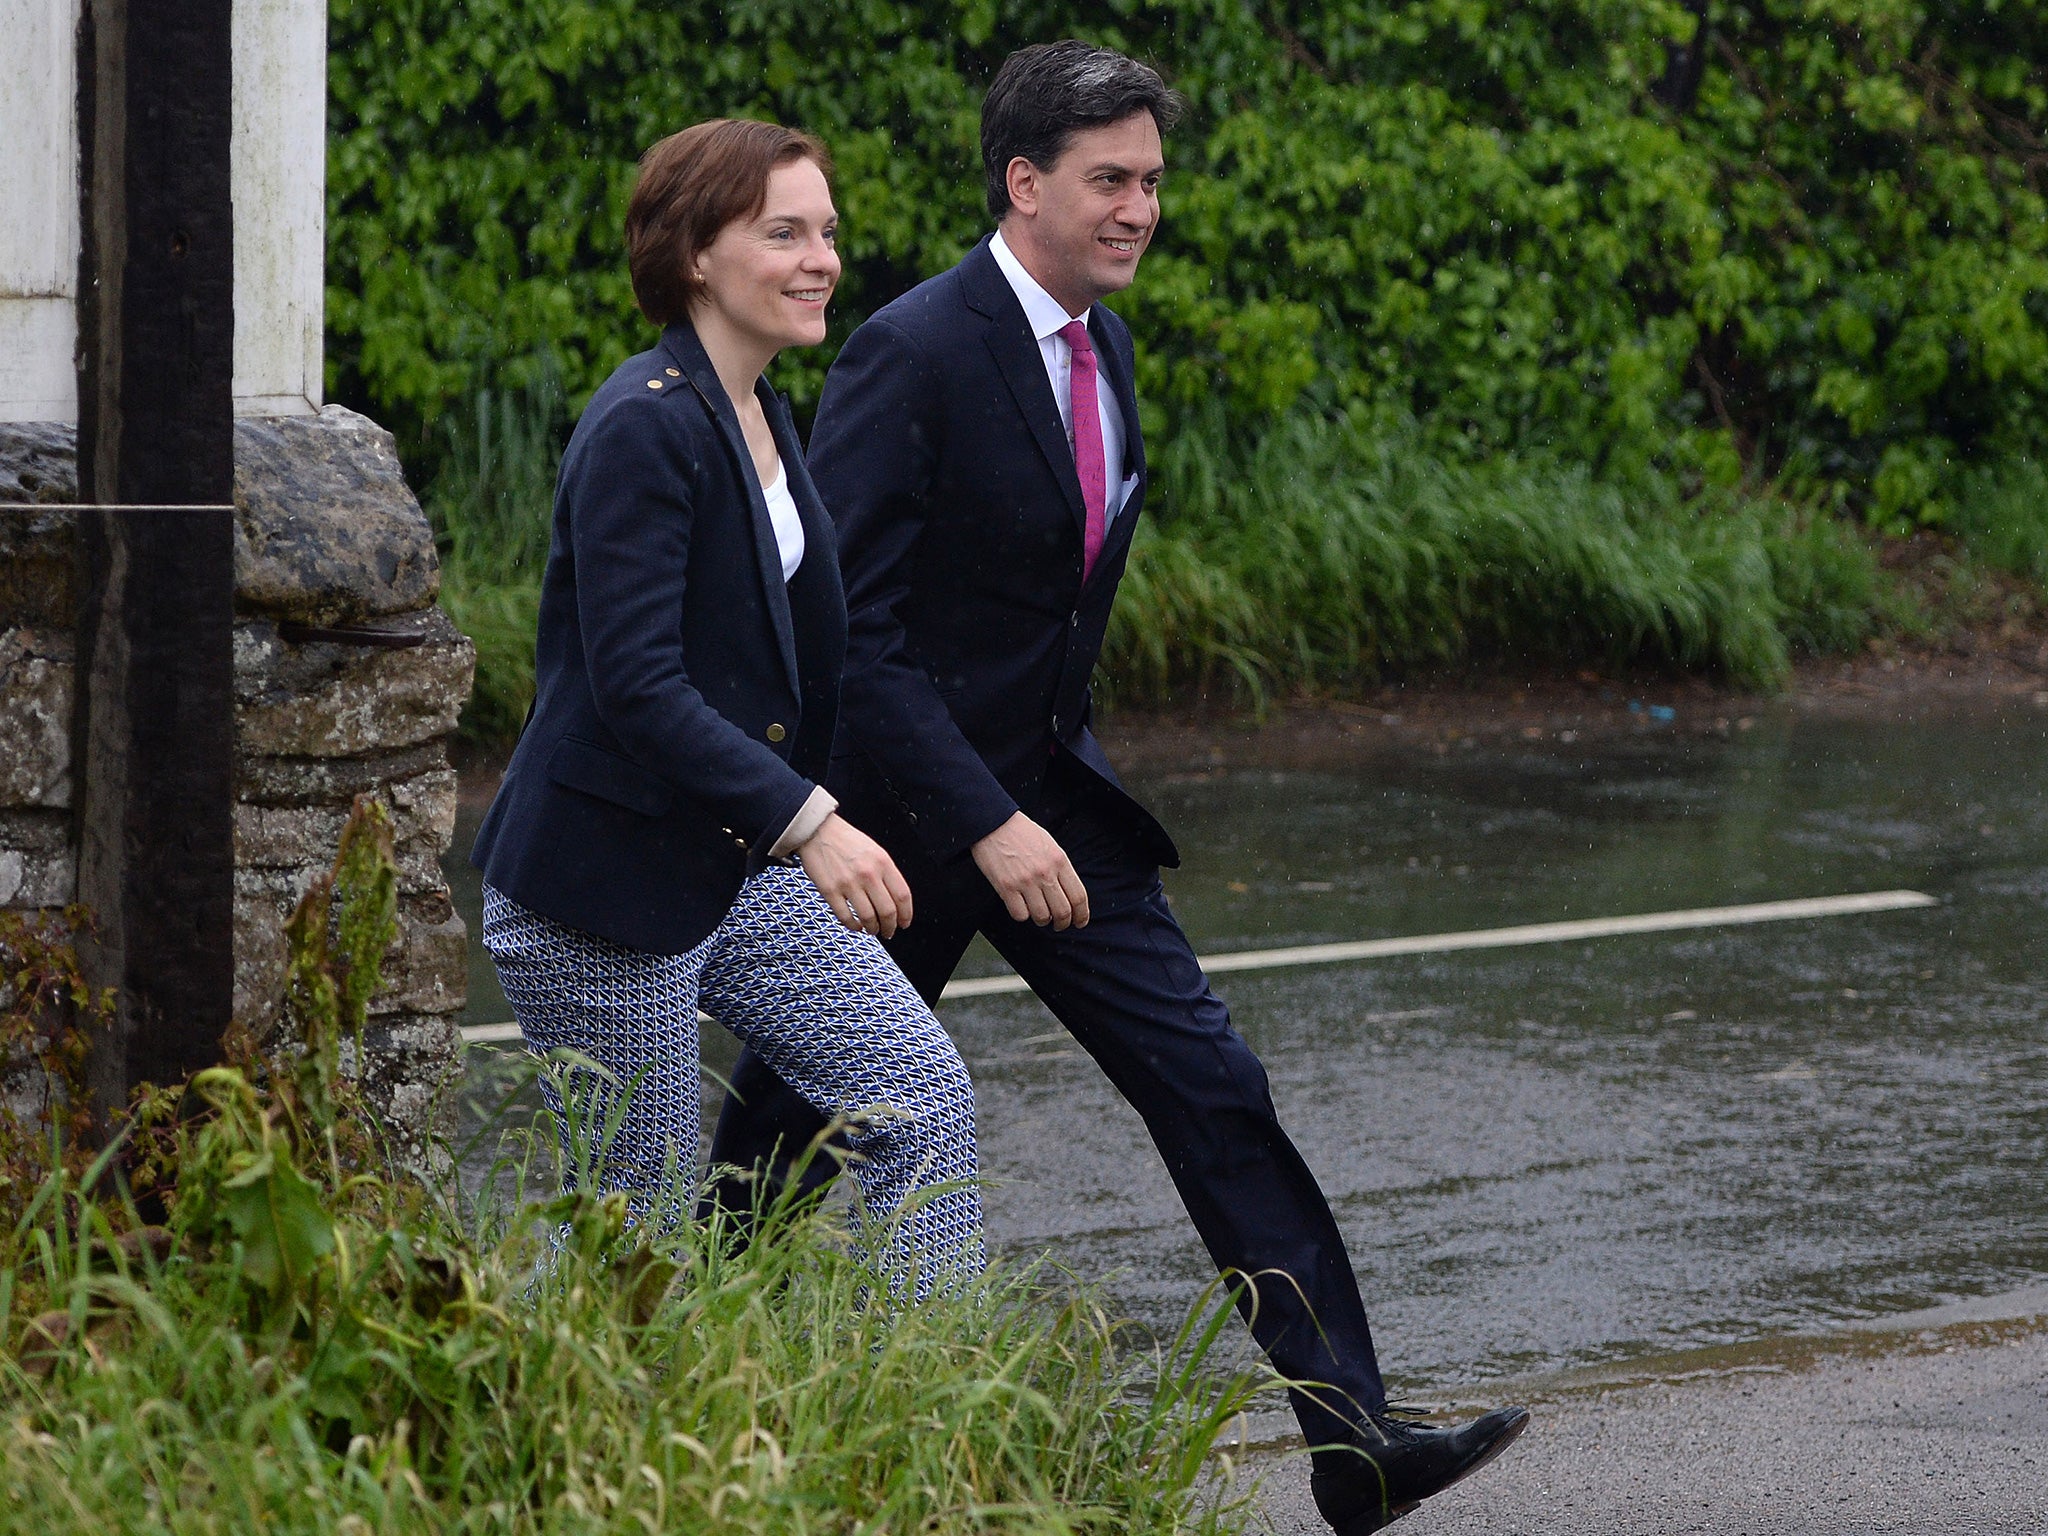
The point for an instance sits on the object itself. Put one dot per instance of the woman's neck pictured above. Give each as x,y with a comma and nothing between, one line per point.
737,360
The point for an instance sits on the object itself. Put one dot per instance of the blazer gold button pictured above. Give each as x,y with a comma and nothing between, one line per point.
776,733
654,383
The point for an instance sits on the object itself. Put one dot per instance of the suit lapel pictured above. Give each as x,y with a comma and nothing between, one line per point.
1022,366
682,344
1110,364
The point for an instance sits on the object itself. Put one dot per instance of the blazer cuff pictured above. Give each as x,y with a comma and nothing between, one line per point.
950,836
803,826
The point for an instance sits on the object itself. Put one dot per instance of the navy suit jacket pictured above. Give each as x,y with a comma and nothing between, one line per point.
685,696
940,453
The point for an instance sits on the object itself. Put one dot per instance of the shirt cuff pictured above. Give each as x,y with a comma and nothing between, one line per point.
804,824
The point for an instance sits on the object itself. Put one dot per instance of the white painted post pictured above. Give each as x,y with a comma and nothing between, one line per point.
279,168
38,210
279,165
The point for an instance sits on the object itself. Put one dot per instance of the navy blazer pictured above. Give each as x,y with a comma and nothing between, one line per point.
685,696
942,458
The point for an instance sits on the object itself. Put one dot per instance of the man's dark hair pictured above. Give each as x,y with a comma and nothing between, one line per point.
1043,95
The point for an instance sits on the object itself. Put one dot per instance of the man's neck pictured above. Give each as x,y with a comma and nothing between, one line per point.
1032,258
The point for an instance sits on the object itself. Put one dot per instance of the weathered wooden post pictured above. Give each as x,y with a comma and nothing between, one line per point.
156,450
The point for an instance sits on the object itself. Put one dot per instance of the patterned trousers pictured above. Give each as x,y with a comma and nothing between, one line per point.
824,1006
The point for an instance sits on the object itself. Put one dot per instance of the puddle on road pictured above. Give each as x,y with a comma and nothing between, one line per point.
1581,1155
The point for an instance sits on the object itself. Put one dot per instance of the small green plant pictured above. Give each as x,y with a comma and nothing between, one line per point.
337,938
49,1014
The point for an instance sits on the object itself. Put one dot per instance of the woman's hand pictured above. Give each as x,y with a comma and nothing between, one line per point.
857,878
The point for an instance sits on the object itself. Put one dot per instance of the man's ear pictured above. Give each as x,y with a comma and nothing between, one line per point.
1022,180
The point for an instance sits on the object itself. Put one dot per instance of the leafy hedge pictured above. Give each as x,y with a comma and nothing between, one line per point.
1805,241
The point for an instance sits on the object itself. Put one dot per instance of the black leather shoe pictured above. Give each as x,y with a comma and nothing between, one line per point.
1394,1463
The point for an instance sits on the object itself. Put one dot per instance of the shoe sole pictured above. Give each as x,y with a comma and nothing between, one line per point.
1365,1525
1377,1520
1501,1442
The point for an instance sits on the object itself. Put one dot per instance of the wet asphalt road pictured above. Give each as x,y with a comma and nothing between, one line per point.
1952,1442
1582,1153
1588,1154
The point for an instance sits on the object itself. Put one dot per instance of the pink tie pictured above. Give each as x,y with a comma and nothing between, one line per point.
1087,441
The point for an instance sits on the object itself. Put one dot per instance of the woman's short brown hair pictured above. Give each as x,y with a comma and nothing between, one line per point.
691,185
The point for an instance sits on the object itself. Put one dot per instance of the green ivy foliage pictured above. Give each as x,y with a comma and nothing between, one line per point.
1820,260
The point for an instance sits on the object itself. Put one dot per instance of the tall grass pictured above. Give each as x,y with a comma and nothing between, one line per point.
491,501
311,1345
1319,554
2001,514
675,1386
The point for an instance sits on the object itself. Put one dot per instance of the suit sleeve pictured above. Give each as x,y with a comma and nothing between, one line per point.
628,491
876,441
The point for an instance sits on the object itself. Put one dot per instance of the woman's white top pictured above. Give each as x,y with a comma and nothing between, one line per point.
782,515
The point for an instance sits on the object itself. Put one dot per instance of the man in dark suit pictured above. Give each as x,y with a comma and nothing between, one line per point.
978,447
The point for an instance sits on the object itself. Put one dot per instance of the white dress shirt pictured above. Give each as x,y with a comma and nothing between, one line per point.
1042,312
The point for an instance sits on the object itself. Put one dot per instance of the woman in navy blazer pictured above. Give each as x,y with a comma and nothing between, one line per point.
660,839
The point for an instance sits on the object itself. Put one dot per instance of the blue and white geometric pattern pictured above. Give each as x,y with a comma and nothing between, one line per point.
824,1006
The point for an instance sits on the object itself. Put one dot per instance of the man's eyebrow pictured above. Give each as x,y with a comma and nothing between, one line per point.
1109,166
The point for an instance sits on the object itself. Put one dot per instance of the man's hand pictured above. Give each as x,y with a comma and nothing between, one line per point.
1033,875
857,878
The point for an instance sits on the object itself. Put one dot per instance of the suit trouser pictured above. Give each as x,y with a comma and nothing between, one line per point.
1129,990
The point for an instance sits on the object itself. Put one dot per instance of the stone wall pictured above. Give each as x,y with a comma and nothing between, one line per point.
348,680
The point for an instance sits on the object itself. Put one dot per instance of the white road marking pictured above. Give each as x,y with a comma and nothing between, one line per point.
1525,933
506,1033
1445,943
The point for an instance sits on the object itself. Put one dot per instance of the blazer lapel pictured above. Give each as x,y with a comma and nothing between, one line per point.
1022,366
682,344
